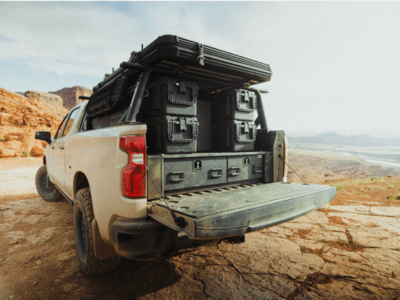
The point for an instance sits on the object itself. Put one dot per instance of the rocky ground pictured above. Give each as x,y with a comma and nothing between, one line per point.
349,249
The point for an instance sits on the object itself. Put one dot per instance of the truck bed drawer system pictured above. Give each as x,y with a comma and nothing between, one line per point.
188,172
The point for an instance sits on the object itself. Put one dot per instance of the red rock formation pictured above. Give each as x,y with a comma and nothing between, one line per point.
53,102
71,95
20,118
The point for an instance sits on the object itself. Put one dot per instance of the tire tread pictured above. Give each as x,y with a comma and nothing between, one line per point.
93,266
54,196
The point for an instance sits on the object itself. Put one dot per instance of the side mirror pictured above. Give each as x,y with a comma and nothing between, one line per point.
43,135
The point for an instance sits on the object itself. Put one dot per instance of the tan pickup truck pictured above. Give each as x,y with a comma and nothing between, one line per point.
167,145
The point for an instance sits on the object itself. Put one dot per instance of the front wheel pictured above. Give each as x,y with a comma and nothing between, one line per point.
82,219
41,186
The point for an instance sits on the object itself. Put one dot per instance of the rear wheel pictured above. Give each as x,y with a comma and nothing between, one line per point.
82,219
41,186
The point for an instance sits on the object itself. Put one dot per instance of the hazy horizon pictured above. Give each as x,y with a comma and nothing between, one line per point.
373,133
335,64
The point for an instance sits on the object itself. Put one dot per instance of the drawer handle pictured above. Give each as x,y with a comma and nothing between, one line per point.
217,174
231,173
257,169
181,176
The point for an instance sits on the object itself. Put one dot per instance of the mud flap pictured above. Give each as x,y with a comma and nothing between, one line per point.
242,209
101,249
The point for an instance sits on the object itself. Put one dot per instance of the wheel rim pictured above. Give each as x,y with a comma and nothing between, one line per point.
82,233
44,186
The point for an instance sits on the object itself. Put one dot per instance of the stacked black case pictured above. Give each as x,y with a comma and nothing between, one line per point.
233,128
170,111
171,96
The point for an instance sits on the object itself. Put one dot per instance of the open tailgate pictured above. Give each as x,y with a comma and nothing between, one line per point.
237,210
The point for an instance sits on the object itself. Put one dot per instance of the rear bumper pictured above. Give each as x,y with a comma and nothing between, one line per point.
140,239
241,211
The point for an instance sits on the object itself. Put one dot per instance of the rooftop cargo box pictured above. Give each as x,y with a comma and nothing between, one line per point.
171,51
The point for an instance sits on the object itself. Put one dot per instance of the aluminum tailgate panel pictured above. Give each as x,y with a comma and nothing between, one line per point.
240,210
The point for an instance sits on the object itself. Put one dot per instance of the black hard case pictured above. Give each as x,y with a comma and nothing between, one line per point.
171,96
173,51
234,105
172,134
233,136
204,118
107,99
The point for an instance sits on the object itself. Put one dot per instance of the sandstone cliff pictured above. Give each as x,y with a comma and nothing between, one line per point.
71,95
21,117
51,101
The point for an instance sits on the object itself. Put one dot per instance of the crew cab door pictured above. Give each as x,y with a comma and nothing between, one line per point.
55,157
236,210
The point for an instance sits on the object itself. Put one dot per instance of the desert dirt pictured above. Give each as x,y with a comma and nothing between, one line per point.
348,249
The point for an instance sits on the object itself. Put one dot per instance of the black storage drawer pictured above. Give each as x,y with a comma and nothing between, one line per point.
233,136
172,134
245,167
183,173
171,96
234,105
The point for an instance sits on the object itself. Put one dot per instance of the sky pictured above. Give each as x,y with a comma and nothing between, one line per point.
336,65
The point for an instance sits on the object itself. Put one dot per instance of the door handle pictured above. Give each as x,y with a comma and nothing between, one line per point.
180,175
62,147
216,173
257,169
233,173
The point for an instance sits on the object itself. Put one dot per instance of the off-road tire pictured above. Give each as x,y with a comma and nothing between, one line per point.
82,219
41,187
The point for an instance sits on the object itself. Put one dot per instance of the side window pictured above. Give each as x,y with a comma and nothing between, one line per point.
70,121
84,126
58,133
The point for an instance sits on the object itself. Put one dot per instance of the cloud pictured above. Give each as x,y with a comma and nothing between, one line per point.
332,62
46,34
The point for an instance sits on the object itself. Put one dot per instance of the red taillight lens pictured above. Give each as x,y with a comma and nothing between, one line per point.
134,174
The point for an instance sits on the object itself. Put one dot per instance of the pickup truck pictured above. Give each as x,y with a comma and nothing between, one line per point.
140,165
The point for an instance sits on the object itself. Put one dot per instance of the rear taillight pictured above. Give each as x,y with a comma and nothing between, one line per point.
134,174
285,147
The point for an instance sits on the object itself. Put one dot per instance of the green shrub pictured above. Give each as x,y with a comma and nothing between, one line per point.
339,186
389,186
2,139
394,197
27,154
394,181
